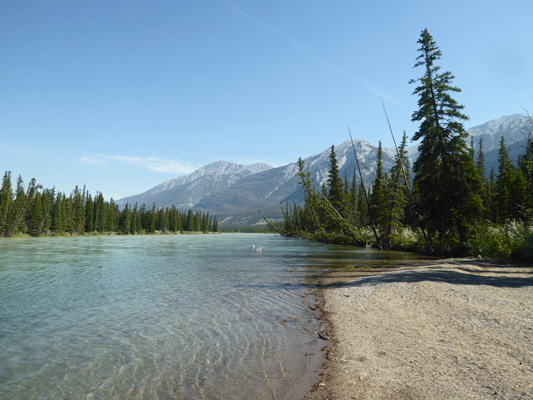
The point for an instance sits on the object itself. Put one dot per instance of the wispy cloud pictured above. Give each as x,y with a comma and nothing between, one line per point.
162,165
95,161
304,50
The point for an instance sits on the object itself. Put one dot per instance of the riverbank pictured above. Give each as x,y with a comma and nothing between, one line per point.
447,329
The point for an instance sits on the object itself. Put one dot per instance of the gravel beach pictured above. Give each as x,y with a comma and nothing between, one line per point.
447,329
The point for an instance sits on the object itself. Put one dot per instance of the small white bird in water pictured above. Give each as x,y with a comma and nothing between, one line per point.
257,249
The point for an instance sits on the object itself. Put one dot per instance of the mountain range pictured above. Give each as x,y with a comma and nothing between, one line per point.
236,192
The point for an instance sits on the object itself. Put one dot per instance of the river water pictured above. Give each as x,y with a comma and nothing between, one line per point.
161,317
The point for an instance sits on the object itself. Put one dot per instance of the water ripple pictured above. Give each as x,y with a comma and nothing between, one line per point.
144,317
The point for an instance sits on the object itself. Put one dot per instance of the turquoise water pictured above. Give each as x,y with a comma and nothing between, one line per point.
168,317
161,317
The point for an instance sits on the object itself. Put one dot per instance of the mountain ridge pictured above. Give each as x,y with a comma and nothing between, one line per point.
236,192
185,191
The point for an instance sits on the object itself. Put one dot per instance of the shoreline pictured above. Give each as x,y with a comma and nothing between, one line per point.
443,329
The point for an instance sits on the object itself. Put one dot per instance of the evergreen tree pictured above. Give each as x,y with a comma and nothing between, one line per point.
173,220
504,184
136,226
112,216
99,213
78,211
480,163
89,214
57,221
520,196
336,193
36,216
6,201
525,160
126,220
400,182
311,199
353,215
21,204
446,181
47,199
142,222
189,225
480,166
68,221
378,199
492,195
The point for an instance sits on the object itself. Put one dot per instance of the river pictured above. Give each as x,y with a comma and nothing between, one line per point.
162,317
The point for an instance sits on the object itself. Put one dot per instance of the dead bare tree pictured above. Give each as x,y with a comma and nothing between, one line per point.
373,225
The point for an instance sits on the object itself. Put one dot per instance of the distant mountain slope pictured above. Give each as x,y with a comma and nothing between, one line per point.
512,128
186,191
266,190
236,192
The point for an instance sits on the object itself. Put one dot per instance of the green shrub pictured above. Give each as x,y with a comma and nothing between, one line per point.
511,241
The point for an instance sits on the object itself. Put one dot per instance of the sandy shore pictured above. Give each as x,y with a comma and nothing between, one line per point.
448,329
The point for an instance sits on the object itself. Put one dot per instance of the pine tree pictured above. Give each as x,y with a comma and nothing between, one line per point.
21,205
312,202
504,184
78,211
136,225
99,213
336,193
189,225
492,195
112,216
6,201
47,199
173,219
68,221
480,163
400,183
57,221
89,214
36,216
525,160
353,216
480,166
378,199
446,181
125,220
520,195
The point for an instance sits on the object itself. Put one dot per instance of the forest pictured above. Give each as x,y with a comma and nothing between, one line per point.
36,211
445,204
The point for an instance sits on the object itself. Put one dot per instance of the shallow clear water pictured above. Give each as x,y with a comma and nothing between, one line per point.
165,317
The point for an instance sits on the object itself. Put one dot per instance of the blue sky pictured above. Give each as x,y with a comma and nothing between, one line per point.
123,95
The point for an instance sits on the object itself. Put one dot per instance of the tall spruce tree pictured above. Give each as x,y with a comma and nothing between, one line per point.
311,199
6,200
336,193
504,184
21,206
353,214
446,181
525,160
400,185
481,170
378,198
35,216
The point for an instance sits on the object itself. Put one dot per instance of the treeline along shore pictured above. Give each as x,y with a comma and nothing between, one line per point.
36,211
445,204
